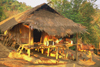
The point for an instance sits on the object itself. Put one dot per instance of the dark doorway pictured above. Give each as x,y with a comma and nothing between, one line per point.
37,35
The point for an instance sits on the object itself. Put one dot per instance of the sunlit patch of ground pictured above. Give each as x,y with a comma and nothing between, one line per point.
22,63
38,60
87,62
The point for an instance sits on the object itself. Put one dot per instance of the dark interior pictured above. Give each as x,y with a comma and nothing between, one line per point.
37,35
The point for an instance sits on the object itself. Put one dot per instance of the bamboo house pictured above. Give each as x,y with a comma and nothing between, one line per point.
39,25
43,20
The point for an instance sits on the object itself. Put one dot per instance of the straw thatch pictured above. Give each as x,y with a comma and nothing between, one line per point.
47,19
53,23
7,25
11,21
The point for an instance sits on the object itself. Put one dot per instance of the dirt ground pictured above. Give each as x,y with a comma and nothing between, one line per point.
11,62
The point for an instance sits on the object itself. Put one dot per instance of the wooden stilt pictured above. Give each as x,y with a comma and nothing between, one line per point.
42,51
29,35
28,52
38,49
48,52
63,50
56,53
67,52
57,56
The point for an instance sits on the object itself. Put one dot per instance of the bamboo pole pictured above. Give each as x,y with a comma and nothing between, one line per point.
29,40
77,47
48,52
67,52
42,51
29,35
56,53
38,49
28,52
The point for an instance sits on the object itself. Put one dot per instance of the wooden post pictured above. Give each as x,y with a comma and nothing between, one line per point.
29,35
28,51
56,53
29,40
63,50
42,51
38,49
67,52
77,47
48,52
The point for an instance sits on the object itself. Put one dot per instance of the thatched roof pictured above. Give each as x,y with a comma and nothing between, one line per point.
11,21
5,26
46,19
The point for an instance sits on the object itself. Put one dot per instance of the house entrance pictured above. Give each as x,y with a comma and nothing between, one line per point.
37,35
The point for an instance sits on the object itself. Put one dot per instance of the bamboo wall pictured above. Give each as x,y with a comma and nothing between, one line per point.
21,33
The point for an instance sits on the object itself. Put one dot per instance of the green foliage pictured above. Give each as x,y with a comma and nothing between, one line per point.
72,47
1,12
11,7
